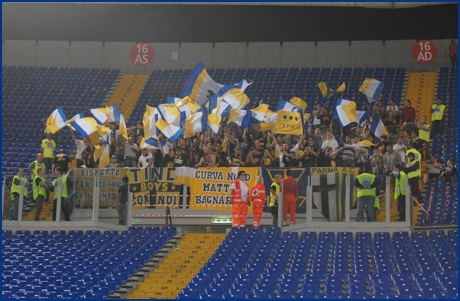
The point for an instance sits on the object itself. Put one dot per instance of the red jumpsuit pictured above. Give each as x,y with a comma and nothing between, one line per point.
257,197
239,206
290,194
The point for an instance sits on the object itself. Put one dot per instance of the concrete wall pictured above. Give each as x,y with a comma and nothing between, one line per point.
115,55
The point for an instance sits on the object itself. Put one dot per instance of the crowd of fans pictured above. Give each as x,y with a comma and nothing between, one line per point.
323,144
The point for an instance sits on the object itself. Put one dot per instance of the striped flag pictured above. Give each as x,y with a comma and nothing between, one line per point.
56,120
196,123
99,114
78,116
171,131
199,85
240,117
85,126
377,128
170,113
105,157
372,88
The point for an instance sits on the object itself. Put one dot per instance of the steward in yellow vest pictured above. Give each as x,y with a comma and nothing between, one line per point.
437,116
366,184
16,191
39,188
65,185
273,198
424,130
414,173
400,190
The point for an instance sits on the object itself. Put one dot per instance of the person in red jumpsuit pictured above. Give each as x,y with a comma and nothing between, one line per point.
257,197
239,191
290,190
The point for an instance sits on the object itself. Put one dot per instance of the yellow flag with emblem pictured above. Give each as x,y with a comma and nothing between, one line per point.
289,123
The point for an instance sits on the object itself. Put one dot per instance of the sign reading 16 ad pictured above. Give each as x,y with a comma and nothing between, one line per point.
141,54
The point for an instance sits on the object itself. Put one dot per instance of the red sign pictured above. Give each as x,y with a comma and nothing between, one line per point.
141,54
424,51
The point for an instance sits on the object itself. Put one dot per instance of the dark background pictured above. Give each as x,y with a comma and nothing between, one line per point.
223,23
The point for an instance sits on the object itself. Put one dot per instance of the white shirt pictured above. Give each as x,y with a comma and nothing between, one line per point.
399,148
145,160
80,144
331,143
281,154
244,189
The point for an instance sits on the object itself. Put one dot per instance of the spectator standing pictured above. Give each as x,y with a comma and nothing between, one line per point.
239,192
257,198
401,148
420,145
366,184
16,191
113,132
290,190
146,159
48,147
437,117
392,107
453,53
273,200
122,200
390,159
80,145
63,161
89,161
237,158
131,152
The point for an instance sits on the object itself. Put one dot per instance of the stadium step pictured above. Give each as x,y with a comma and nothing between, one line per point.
178,267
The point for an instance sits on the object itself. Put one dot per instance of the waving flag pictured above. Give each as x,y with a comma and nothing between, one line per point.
285,105
377,128
259,112
104,160
236,98
199,85
240,117
289,123
195,123
187,105
171,131
122,125
341,89
56,120
323,88
104,132
298,102
78,116
372,88
346,111
151,116
150,143
170,113
99,114
361,116
85,126
113,113
173,100
214,122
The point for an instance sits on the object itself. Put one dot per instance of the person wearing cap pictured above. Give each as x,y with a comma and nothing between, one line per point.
113,162
146,159
239,191
131,152
63,161
257,197
122,200
48,147
414,172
